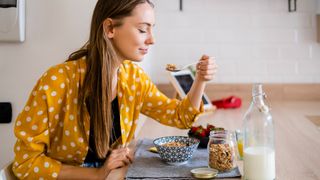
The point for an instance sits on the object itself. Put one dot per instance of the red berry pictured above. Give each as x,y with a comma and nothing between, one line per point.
208,132
202,134
194,129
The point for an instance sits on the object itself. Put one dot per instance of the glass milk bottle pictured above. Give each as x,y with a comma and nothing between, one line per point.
259,152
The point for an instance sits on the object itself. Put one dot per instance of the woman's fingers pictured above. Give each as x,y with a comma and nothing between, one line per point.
129,159
207,73
127,152
207,63
119,158
116,165
204,57
206,68
118,151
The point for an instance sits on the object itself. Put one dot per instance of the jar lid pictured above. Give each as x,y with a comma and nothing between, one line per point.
204,173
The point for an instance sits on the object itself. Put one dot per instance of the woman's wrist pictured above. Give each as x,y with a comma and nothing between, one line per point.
200,82
103,172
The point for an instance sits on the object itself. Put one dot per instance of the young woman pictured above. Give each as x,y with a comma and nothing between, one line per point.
79,111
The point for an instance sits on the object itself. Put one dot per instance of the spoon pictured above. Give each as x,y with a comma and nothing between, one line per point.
174,68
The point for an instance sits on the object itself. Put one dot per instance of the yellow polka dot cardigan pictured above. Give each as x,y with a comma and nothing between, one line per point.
47,129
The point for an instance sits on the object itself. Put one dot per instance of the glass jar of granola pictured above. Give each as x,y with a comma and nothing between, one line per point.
221,149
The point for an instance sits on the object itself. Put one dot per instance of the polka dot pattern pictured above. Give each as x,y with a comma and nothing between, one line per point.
54,78
51,109
28,119
54,175
46,164
34,127
45,120
27,108
36,169
51,117
22,133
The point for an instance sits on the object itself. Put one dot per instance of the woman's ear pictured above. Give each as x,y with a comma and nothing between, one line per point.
108,28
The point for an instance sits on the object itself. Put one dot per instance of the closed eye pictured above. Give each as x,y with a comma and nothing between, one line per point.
142,31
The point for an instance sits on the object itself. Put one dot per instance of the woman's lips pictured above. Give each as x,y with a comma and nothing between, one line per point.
144,51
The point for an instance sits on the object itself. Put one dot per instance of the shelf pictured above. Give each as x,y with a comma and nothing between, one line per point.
318,27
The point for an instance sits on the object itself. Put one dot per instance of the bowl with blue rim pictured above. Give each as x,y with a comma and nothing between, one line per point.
176,150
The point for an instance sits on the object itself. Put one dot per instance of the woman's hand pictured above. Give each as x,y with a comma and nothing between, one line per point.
206,68
117,158
205,71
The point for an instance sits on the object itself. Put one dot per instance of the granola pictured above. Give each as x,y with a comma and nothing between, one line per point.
174,144
221,157
171,67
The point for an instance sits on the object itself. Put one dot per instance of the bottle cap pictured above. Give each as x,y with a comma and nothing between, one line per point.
204,173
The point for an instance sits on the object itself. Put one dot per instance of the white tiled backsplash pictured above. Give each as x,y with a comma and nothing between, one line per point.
252,40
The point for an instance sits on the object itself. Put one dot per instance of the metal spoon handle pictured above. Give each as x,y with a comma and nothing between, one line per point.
186,66
173,68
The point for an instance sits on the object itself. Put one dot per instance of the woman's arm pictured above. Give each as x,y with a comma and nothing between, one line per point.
74,172
172,112
206,70
118,158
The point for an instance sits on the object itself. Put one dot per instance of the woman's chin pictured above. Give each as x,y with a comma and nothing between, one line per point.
137,59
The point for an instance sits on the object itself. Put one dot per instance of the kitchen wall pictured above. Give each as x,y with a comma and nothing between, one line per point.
252,40
53,30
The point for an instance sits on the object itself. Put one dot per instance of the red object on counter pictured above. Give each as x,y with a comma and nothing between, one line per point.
228,103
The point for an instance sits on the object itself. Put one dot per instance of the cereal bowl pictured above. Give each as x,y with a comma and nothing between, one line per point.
176,150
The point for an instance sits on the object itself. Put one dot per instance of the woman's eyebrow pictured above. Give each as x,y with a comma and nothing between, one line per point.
148,24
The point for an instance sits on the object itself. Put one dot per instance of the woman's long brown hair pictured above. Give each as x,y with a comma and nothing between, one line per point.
101,60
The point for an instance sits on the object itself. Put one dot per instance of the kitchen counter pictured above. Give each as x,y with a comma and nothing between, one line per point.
297,139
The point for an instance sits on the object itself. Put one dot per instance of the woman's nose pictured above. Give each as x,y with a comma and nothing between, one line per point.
150,40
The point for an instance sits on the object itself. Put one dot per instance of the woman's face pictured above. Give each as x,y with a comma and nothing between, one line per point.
133,38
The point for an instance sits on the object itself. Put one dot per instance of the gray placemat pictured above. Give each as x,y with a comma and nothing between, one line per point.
148,165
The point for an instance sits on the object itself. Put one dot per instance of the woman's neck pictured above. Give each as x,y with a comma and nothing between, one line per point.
115,82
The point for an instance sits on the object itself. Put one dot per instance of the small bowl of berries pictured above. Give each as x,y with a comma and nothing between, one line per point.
202,133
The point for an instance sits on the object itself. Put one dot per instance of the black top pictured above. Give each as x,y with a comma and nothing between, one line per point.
115,134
